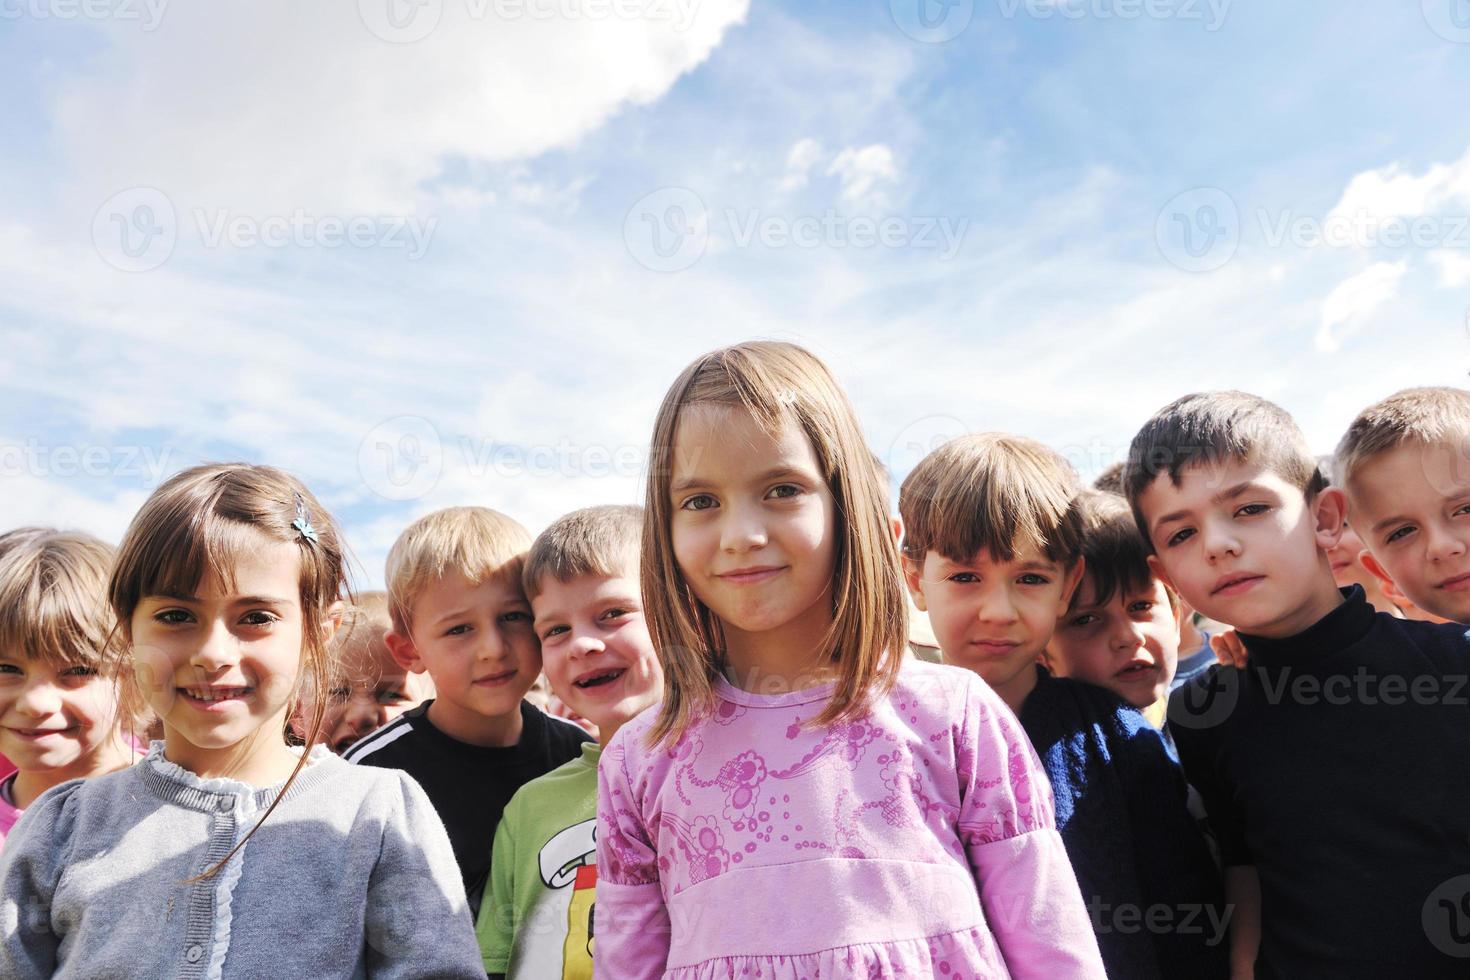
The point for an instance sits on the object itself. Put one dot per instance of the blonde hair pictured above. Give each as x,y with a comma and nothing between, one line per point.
197,525
591,541
993,492
53,597
476,542
1414,416
778,384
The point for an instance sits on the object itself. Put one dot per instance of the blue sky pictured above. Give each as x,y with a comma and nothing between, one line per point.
456,255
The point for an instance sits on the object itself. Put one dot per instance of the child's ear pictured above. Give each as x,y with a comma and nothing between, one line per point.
404,653
1157,567
1070,584
1331,512
911,570
333,620
1384,579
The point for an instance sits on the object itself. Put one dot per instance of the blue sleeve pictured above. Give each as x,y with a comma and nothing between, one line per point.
36,854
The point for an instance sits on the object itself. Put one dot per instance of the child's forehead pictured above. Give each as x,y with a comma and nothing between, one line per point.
1205,484
1022,555
556,596
714,440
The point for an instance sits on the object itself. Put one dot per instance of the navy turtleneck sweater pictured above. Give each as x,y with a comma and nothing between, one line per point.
1338,764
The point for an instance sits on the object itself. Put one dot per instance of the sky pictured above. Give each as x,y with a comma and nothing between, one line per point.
425,253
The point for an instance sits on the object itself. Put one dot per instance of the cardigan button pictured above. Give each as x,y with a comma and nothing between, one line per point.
193,953
225,804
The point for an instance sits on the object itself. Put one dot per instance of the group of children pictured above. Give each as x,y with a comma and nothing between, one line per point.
780,785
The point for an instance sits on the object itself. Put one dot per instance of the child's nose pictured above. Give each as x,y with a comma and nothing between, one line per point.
996,606
1127,636
1443,545
38,701
219,649
742,529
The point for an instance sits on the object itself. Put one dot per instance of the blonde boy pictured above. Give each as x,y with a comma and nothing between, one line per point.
582,579
1405,465
460,615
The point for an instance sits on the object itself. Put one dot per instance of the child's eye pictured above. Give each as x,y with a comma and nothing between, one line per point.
1252,510
459,630
339,694
1142,606
1179,537
173,617
615,613
784,491
557,630
79,670
964,578
9,669
1399,533
1031,578
1086,619
1462,511
515,616
391,697
700,501
259,618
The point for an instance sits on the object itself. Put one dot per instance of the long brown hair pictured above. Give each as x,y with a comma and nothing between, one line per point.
779,384
196,525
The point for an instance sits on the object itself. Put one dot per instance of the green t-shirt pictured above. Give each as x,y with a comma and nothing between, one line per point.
536,920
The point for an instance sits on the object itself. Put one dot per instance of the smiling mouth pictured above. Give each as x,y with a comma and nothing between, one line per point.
40,732
213,695
746,576
1458,582
600,680
1135,671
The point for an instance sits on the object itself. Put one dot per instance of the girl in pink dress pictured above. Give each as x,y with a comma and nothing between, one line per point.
808,802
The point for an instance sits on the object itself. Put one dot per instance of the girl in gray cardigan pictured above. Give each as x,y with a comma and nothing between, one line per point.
224,852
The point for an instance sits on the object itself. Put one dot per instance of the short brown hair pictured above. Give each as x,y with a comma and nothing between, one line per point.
476,542
591,541
53,597
1217,427
1110,480
1414,416
994,492
780,385
1115,553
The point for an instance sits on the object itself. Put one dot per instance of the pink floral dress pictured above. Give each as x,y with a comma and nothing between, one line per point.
916,842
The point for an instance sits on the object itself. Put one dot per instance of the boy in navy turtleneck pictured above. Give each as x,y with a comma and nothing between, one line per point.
1333,766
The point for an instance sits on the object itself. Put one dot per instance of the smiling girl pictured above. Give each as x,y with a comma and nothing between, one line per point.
224,851
809,802
58,712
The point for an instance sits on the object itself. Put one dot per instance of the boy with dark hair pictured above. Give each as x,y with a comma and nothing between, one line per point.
1332,766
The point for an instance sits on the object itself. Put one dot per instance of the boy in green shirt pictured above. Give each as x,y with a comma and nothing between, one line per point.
581,577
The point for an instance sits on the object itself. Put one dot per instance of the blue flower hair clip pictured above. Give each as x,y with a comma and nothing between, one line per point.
303,521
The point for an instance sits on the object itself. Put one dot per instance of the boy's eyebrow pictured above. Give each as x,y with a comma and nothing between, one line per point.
1229,493
1385,523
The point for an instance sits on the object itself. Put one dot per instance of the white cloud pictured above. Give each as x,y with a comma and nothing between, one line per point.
1391,192
1356,299
799,162
278,104
1453,266
861,169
